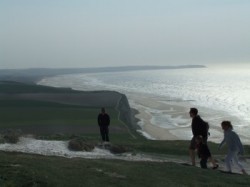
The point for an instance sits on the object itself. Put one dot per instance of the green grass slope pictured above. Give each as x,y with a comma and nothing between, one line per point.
41,116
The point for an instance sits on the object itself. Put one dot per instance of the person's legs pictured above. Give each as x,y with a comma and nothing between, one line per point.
192,151
102,131
236,161
106,134
203,163
228,160
192,156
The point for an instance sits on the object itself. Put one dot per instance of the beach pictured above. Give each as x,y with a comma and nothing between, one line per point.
152,110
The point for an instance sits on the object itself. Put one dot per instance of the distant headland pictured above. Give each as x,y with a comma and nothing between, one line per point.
32,75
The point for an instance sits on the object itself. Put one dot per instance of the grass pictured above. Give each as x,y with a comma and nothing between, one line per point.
11,87
14,113
18,169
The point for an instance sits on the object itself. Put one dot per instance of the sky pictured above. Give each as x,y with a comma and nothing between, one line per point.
99,33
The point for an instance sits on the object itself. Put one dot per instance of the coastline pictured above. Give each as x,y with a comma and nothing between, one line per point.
157,117
162,118
177,125
146,120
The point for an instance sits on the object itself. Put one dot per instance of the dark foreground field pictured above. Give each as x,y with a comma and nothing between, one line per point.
73,115
31,170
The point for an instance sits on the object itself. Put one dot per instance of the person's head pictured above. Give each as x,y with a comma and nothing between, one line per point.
193,112
225,125
103,110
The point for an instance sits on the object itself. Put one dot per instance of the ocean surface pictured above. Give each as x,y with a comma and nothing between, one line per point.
225,91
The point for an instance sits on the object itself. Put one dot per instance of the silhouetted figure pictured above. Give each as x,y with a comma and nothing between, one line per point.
103,122
199,128
196,126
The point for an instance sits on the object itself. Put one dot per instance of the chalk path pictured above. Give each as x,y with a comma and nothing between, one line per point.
60,148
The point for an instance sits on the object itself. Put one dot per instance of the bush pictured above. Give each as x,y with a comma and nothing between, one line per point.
79,144
118,149
11,135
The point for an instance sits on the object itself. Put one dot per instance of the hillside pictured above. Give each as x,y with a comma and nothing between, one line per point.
59,108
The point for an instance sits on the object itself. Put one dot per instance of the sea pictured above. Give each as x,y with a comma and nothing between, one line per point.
224,90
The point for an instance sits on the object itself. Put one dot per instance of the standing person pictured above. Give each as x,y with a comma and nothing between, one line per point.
103,122
204,153
234,144
199,128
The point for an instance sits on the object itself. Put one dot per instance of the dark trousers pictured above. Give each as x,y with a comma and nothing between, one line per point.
203,163
104,133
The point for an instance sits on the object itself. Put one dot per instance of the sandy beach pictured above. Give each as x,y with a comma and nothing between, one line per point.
148,127
178,122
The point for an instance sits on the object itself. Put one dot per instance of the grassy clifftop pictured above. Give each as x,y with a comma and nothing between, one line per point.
42,109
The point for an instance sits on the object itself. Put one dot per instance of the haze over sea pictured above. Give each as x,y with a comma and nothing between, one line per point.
220,93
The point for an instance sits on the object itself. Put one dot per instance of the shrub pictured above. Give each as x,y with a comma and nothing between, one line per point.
118,149
11,135
79,144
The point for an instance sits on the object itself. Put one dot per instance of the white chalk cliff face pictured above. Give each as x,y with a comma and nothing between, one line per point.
60,148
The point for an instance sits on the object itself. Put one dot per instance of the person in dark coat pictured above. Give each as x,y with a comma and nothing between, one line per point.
199,129
103,122
196,126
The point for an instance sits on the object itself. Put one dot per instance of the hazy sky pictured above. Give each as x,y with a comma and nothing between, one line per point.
92,33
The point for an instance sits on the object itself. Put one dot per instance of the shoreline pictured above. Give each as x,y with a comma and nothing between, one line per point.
178,122
148,128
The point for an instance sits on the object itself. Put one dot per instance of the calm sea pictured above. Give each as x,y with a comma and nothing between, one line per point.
226,90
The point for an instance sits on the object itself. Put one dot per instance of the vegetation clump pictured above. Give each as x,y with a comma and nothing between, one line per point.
10,136
80,144
119,149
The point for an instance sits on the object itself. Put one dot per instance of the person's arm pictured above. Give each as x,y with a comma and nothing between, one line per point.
222,143
99,120
239,144
108,120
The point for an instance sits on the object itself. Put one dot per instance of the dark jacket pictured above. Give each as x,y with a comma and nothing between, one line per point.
103,119
198,127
